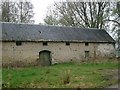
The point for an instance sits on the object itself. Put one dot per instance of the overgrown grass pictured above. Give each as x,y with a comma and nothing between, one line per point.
71,75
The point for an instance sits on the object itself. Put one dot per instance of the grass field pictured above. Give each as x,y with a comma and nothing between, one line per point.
95,74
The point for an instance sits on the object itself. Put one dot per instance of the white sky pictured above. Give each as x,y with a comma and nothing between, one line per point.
40,9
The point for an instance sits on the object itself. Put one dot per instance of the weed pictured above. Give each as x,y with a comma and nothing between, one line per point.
66,77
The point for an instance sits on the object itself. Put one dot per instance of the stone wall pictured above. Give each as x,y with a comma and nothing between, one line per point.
106,50
28,52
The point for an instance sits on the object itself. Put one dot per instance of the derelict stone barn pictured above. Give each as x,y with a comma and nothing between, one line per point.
27,44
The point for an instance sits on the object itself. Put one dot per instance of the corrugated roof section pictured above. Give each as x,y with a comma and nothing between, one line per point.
30,32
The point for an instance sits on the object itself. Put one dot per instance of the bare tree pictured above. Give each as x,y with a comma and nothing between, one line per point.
81,14
25,12
6,11
19,12
114,21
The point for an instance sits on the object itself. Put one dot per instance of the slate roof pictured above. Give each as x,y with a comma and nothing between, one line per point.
32,32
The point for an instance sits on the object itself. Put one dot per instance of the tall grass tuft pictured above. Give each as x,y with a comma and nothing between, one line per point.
66,77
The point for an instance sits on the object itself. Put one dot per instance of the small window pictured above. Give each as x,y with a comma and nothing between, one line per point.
45,43
67,43
86,44
18,43
86,54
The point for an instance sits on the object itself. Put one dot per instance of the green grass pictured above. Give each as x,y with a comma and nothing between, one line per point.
69,75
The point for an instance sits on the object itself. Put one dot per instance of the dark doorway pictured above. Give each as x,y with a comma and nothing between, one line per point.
45,58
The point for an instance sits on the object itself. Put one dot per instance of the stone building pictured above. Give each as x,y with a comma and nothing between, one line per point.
28,44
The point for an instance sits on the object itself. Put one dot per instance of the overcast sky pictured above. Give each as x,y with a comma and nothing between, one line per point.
40,9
